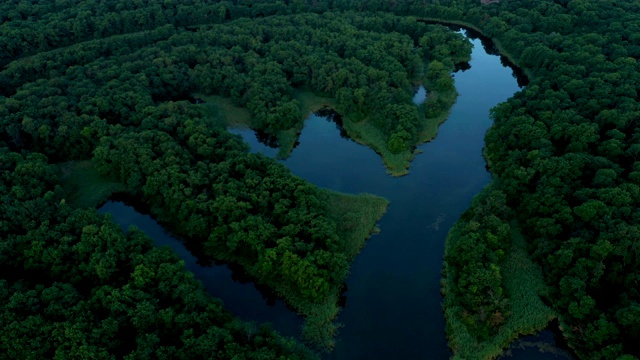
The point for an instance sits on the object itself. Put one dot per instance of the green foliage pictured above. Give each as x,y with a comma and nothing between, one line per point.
73,285
118,100
83,187
473,257
240,207
565,149
364,61
473,332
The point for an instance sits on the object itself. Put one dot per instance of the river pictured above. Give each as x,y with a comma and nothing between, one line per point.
393,302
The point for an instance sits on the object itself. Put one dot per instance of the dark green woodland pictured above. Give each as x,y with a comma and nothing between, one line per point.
111,84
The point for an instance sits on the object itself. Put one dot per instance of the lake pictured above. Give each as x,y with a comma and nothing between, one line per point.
393,302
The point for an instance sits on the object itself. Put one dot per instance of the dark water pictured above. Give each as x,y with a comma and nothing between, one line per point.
420,95
393,302
393,307
239,296
542,346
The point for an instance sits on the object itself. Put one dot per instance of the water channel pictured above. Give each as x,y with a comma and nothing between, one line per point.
393,301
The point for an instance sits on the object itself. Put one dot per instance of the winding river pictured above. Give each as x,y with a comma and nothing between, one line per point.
393,301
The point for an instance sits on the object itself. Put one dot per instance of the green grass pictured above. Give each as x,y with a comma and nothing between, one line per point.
429,126
83,187
310,102
356,217
224,113
366,134
524,285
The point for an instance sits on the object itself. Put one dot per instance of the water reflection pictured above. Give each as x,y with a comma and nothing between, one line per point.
332,116
394,307
462,67
267,139
489,47
394,303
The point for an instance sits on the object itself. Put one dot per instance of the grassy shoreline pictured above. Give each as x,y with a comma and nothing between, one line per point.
355,216
361,131
522,278
398,164
524,285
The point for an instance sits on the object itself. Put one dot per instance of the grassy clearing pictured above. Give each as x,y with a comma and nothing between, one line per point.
429,126
287,140
398,164
310,102
524,285
83,187
366,134
224,112
356,217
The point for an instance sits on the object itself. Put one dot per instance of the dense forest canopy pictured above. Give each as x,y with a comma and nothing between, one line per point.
564,151
367,62
75,286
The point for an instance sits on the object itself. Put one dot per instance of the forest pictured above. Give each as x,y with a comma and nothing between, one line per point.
366,63
564,153
85,80
75,286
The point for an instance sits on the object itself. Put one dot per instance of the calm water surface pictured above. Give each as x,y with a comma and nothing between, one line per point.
393,308
239,296
393,302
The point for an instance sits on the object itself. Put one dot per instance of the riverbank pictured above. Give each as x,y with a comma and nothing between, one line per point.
520,302
362,131
230,115
498,45
398,164
355,217
522,279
